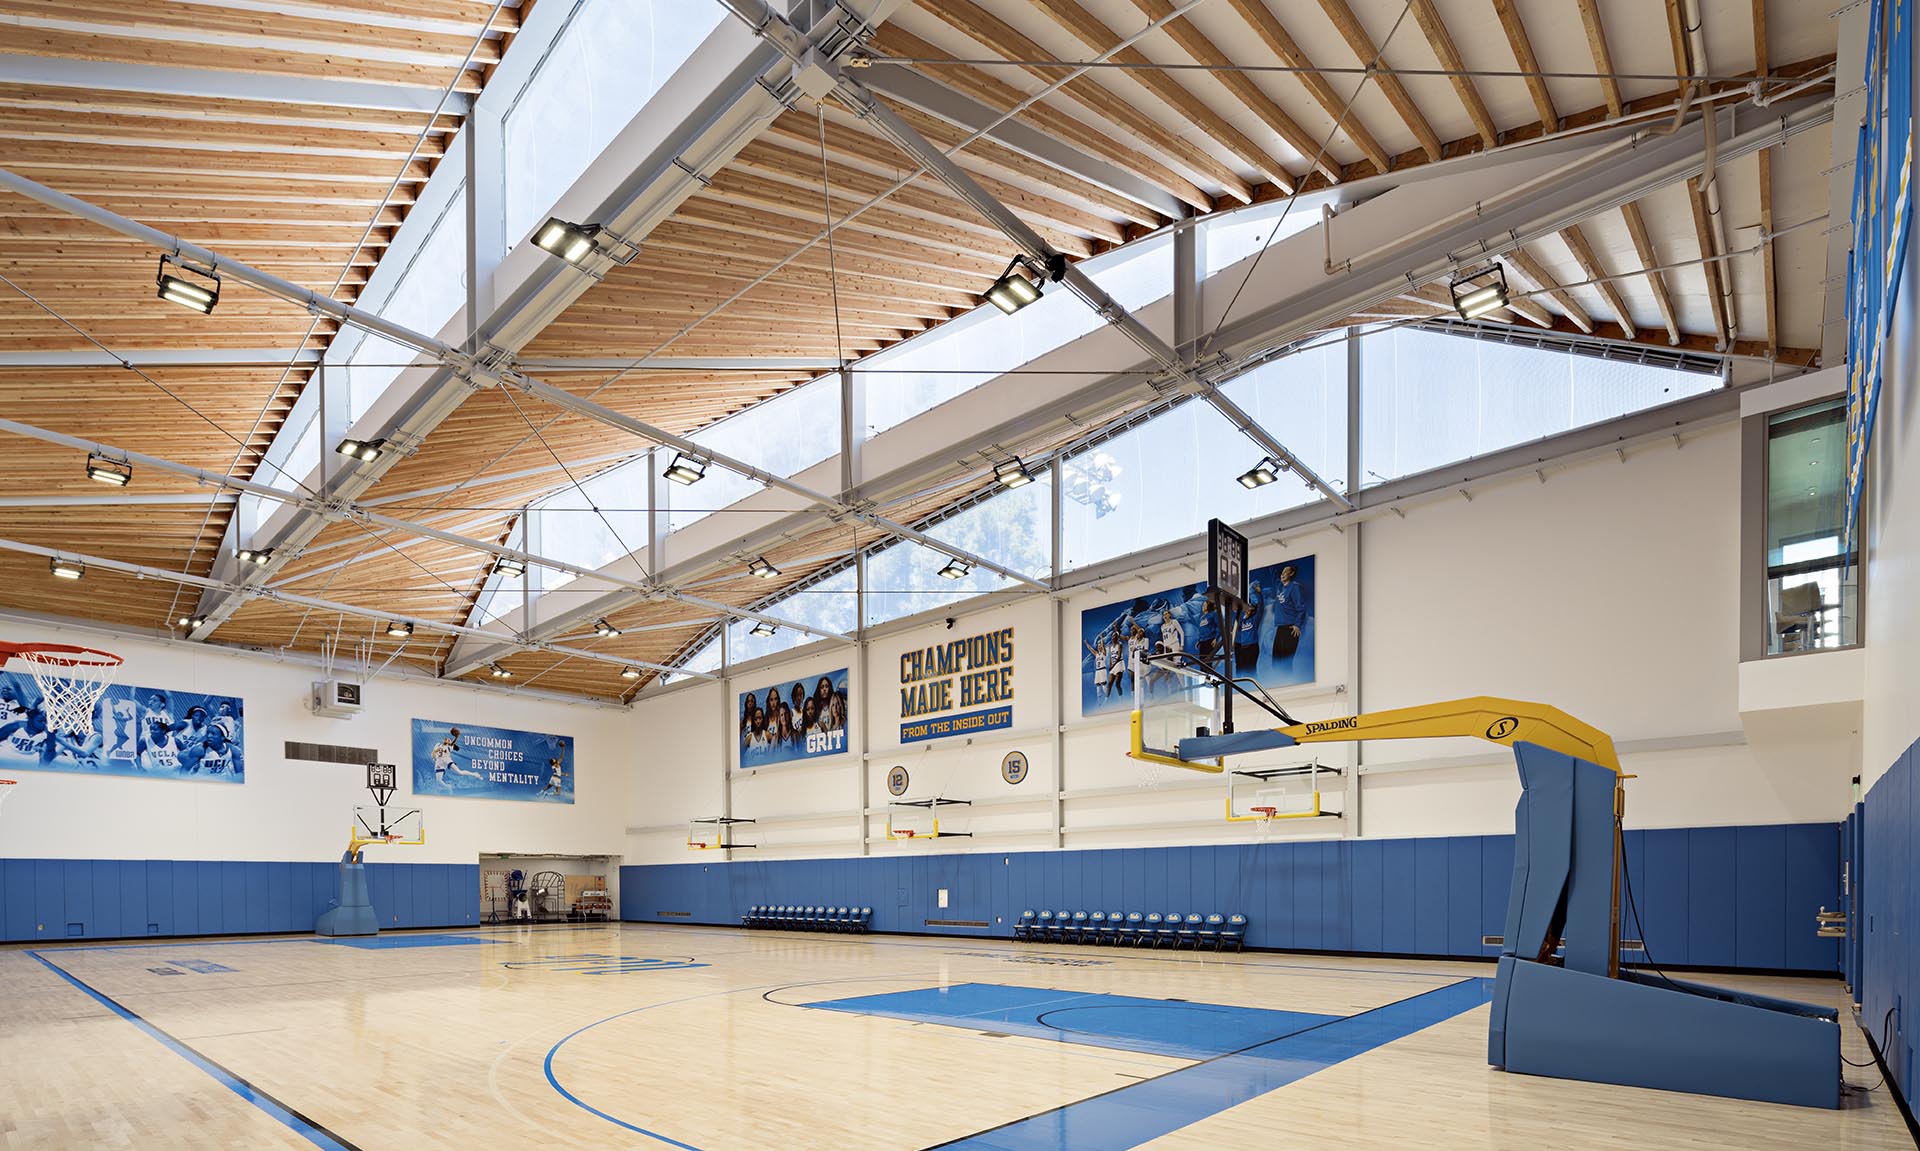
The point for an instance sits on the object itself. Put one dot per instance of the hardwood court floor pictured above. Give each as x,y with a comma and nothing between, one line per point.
629,1036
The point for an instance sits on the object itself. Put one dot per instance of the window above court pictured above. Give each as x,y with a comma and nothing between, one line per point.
608,61
1013,529
1165,478
784,435
926,371
1428,399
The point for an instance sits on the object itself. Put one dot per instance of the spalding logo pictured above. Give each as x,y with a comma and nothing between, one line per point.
1332,725
1502,727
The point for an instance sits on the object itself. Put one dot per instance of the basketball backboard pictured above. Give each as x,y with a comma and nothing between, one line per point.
1172,701
396,826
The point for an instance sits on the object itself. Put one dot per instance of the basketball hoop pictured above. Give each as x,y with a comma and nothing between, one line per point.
1265,812
71,680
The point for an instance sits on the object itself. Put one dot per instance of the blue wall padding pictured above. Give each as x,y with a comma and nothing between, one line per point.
1888,915
1393,896
43,899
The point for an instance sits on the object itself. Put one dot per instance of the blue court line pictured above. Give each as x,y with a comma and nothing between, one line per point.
1129,1116
299,1124
547,1066
389,942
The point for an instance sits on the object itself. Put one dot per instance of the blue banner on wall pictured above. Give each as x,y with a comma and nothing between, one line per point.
801,719
1881,211
477,762
150,732
1274,644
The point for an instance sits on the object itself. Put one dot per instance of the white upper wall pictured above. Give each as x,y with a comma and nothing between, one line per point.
301,811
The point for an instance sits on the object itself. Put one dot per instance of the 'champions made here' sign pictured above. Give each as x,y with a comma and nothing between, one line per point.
957,688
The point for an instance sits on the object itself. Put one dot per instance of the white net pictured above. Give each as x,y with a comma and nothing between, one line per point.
71,683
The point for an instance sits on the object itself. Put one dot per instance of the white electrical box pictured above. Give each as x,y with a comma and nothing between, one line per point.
339,698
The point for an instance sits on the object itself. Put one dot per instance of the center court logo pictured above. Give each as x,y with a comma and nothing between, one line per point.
596,963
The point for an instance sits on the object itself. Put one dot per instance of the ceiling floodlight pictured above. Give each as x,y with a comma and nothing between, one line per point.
604,630
259,557
1013,290
399,629
66,569
571,242
200,294
1012,473
629,673
366,451
510,566
192,622
955,569
686,469
760,567
762,628
498,672
115,473
1262,473
1479,292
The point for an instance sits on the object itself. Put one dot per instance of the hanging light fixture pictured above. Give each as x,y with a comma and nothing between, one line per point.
366,451
604,630
114,473
498,672
629,673
1012,473
192,622
762,628
259,557
1479,292
1262,473
571,242
955,569
1013,290
760,567
399,629
200,295
510,566
66,569
686,469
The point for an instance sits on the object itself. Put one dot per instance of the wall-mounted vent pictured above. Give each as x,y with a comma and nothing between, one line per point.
331,753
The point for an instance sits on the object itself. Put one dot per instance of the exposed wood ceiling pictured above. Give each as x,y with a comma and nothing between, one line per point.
1201,110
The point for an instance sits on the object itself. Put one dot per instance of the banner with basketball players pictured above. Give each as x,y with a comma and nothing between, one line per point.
475,762
151,732
1273,644
804,719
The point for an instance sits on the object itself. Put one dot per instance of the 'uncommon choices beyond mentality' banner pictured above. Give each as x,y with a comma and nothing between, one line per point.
947,689
474,762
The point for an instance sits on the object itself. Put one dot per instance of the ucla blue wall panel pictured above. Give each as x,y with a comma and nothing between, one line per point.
1889,913
1759,889
48,899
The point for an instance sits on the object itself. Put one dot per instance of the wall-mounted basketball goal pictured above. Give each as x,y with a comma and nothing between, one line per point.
920,819
715,833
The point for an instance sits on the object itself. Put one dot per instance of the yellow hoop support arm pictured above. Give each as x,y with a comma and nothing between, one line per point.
1502,721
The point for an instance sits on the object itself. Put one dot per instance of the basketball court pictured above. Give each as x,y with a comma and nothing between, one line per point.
1007,575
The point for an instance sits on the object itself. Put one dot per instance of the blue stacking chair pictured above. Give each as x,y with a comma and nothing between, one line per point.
1149,930
830,918
770,917
1110,930
1169,929
1078,932
845,915
1235,932
1210,930
1042,927
1130,929
1189,931
788,915
866,917
1062,924
1095,927
747,919
809,915
1023,926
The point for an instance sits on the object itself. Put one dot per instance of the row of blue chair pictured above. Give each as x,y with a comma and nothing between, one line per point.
1153,929
855,919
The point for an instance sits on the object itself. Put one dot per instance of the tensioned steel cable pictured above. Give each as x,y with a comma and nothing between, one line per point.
1378,55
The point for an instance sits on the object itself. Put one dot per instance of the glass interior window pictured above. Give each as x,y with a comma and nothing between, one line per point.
1812,600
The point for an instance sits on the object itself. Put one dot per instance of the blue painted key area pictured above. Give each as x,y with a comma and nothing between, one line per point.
1122,1022
1144,1111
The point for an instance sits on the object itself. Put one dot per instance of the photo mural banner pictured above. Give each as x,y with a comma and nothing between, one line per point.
154,732
799,719
959,687
1274,644
475,762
